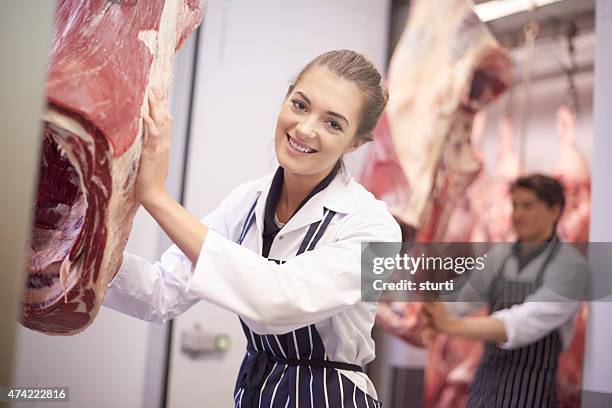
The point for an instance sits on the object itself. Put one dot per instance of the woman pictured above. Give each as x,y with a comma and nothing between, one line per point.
532,289
308,333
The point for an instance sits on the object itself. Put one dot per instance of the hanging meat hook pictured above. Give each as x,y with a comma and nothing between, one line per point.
570,32
530,31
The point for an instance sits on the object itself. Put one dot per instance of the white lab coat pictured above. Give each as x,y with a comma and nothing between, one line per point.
321,287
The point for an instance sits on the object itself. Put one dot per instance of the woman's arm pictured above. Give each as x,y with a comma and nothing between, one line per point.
160,291
186,231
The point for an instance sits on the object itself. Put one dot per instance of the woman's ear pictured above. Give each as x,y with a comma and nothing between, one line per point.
357,142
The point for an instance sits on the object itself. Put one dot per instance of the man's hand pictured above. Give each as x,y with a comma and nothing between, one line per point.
437,316
485,328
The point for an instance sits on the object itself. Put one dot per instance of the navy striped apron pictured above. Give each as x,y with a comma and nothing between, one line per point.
522,377
292,369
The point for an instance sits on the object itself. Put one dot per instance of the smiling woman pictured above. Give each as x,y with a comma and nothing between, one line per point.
301,312
317,124
330,109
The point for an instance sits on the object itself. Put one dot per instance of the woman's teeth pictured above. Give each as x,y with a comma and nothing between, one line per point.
300,148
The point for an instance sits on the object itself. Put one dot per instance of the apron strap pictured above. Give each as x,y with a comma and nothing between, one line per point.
259,361
556,244
249,220
315,232
553,251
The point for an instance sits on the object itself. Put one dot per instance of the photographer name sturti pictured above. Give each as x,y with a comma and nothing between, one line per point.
424,264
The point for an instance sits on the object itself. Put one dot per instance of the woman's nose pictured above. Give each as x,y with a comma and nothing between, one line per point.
306,129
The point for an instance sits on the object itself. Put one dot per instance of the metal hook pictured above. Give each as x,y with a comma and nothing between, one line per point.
530,31
570,31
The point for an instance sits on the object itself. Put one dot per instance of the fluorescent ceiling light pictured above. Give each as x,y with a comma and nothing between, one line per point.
494,9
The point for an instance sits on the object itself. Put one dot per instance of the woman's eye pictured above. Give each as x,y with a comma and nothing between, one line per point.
299,105
335,125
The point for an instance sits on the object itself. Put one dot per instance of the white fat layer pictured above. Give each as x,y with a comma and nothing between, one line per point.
162,45
149,38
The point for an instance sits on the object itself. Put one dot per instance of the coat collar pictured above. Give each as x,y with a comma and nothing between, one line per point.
337,196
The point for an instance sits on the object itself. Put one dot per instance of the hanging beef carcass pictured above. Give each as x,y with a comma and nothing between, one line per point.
490,194
572,168
106,56
446,67
452,361
466,223
498,215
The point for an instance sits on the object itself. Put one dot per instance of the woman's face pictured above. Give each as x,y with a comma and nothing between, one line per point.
317,123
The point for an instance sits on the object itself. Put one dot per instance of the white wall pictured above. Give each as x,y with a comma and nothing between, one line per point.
22,75
248,53
597,384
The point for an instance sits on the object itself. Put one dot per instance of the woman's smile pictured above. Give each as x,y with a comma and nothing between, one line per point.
297,148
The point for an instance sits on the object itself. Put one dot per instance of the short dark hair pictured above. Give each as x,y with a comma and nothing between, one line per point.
548,189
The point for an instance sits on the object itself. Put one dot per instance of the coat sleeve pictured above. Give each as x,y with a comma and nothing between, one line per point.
309,288
154,292
158,291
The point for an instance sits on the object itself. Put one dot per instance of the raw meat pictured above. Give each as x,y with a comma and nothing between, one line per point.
572,169
569,378
489,195
105,57
451,365
446,67
466,223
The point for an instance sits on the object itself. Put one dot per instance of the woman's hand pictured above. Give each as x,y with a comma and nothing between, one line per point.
151,181
186,231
